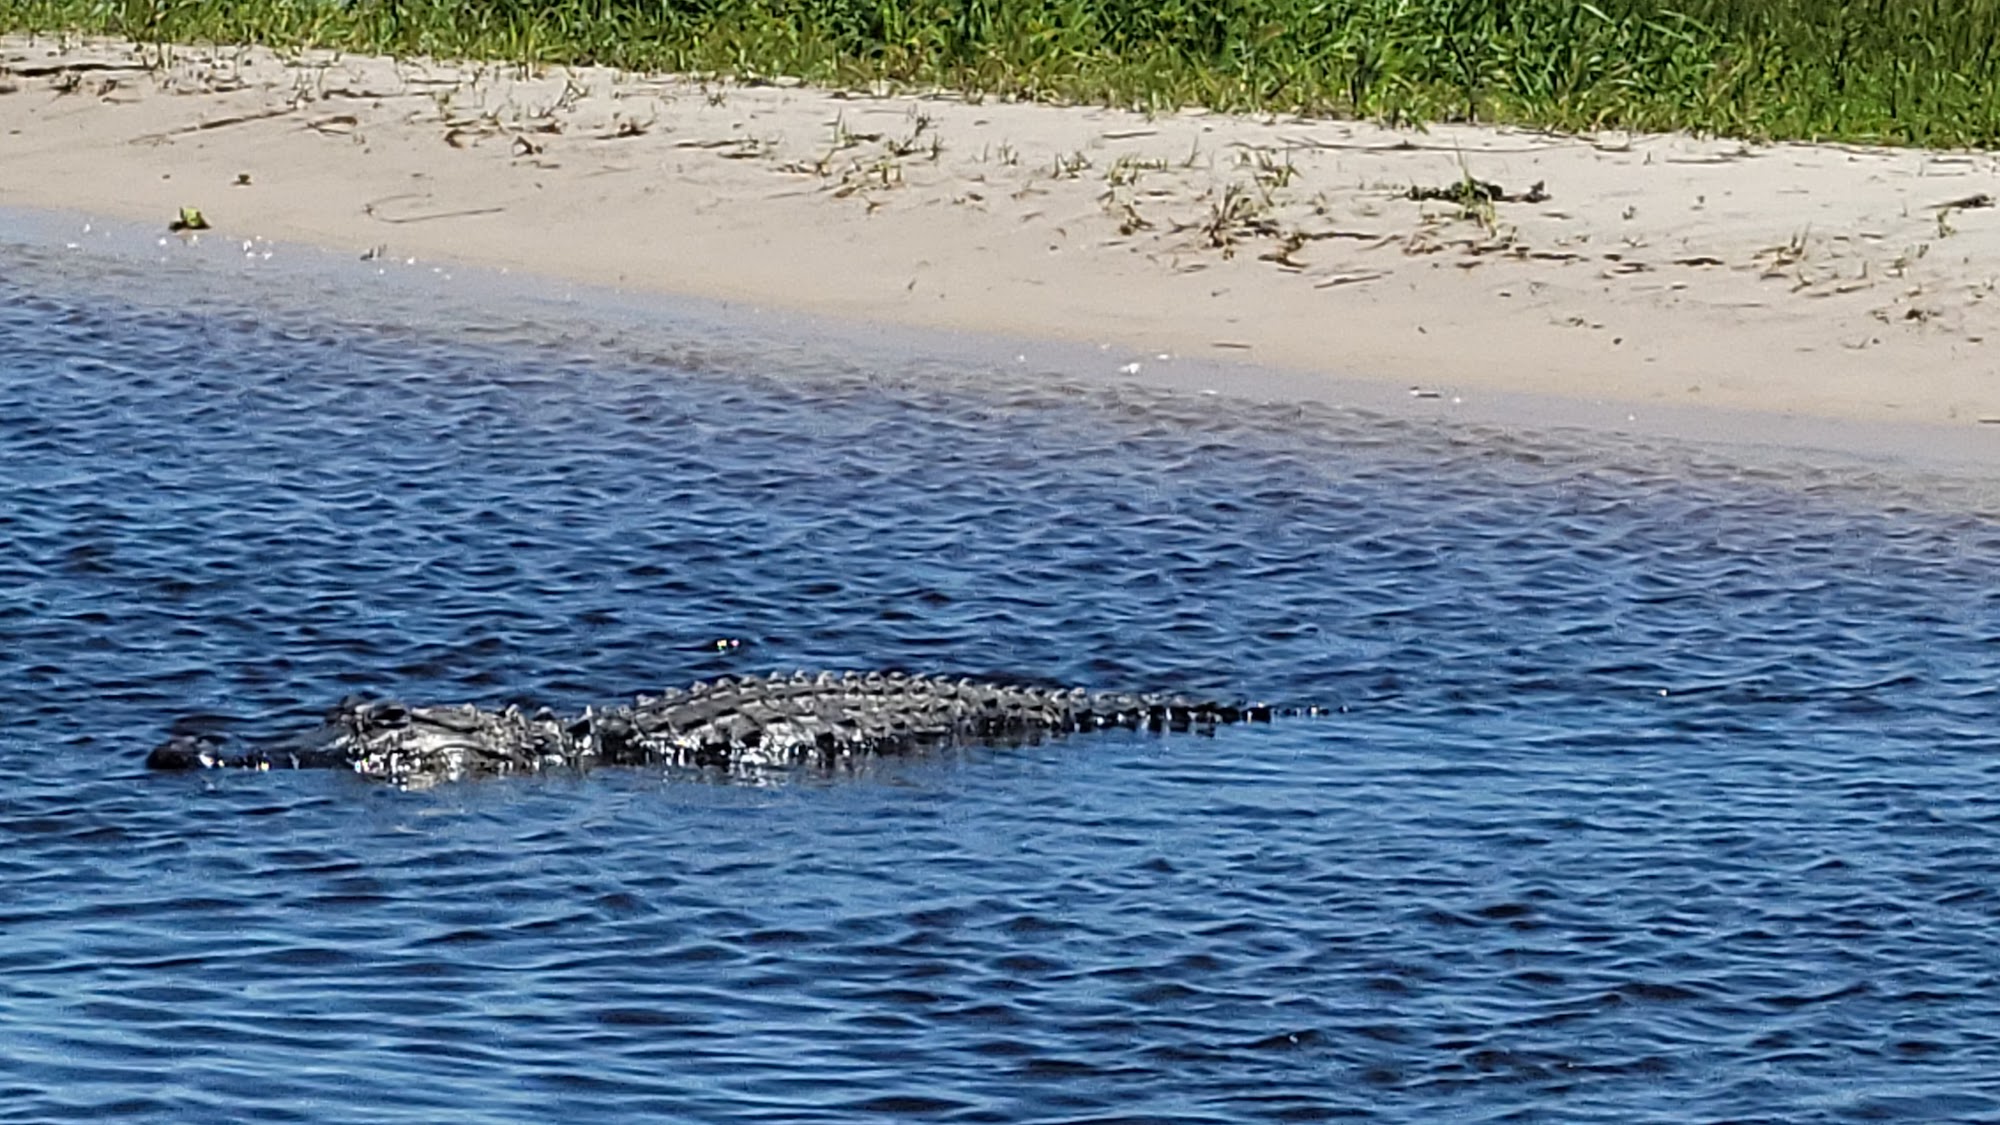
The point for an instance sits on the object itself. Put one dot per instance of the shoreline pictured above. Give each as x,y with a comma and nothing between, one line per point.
1649,275
310,289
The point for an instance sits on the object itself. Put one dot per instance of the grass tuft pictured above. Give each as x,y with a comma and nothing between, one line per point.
1885,71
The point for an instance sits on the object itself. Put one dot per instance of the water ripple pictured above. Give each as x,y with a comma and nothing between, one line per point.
1656,787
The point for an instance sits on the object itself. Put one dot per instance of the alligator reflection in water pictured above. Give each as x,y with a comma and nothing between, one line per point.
800,719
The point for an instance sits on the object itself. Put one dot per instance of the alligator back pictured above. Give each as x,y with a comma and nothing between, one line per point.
752,722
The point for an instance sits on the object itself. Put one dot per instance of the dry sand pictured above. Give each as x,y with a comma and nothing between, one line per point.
1815,280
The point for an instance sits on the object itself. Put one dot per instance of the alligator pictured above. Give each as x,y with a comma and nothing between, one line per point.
747,723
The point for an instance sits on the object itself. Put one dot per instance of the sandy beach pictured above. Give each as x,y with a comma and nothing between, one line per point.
1816,280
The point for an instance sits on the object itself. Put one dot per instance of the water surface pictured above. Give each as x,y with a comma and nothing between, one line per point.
1659,784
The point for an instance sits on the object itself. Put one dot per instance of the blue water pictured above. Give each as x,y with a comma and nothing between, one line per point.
1659,785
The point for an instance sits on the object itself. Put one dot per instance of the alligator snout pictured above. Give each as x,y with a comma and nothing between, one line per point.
187,752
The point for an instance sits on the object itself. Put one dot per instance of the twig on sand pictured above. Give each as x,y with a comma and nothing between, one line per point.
373,211
203,126
72,66
1969,203
1412,146
338,125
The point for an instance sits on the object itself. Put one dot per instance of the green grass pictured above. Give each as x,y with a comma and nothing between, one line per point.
1894,71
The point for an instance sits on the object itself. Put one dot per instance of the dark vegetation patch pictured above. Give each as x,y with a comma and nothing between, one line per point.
1893,71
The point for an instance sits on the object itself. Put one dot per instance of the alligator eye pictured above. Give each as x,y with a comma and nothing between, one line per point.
389,714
